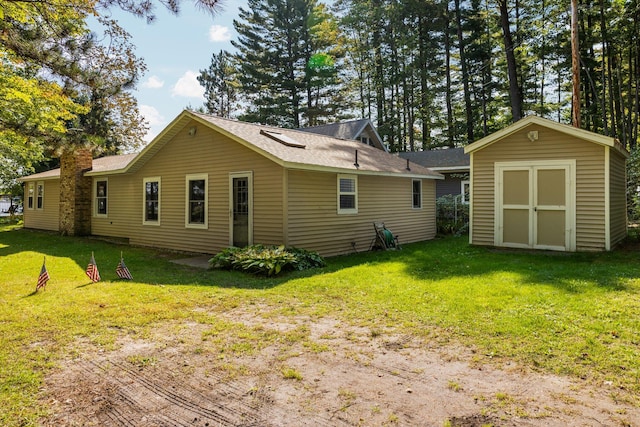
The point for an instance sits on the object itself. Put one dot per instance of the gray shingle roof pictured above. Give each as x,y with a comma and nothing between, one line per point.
343,130
101,164
437,159
319,152
289,148
353,129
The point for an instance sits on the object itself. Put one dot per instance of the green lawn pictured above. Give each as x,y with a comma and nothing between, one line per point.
570,314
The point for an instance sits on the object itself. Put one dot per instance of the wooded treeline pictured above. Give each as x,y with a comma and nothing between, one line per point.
429,73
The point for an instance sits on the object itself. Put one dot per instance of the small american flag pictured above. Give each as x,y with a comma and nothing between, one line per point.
122,271
43,278
92,270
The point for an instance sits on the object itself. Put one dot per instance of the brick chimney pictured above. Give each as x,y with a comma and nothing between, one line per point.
75,192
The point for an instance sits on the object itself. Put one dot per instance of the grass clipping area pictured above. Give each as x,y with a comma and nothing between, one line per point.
568,314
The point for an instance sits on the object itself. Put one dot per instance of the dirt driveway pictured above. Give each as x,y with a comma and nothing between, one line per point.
188,374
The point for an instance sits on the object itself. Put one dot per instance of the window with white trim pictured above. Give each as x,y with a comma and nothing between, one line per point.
464,191
347,194
101,197
40,195
366,140
151,208
197,201
416,190
30,195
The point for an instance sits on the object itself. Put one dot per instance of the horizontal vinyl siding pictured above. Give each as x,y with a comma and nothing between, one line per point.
590,198
617,198
120,208
205,153
551,145
267,202
449,185
313,221
483,200
47,218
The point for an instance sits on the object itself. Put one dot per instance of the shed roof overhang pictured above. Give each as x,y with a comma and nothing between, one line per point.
529,121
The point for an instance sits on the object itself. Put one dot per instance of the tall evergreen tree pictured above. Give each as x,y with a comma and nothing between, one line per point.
220,85
287,56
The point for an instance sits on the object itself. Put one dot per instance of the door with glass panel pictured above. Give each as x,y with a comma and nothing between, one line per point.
241,209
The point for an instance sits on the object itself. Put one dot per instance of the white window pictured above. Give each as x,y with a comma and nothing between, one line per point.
151,208
30,195
416,187
100,191
464,191
197,201
347,194
40,195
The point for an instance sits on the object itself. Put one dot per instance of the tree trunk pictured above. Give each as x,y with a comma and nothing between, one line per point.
465,75
575,66
447,56
514,89
603,73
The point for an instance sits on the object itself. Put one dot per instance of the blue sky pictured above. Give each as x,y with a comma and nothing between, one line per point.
175,49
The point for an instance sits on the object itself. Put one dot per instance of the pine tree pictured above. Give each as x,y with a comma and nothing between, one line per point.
220,85
287,56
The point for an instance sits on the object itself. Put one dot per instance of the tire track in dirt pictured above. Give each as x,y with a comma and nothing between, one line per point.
133,397
178,403
354,378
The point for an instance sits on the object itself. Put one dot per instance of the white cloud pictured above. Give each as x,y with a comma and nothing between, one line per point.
188,86
152,115
153,82
218,33
155,120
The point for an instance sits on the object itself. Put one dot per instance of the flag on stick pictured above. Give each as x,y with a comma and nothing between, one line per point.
92,270
122,271
43,278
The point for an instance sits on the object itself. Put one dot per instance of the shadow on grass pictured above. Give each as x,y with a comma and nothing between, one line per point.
85,285
147,265
450,258
453,257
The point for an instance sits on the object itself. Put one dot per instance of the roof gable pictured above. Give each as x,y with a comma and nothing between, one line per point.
533,121
349,130
289,148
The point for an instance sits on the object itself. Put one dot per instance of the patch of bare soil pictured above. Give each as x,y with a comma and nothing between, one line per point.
335,375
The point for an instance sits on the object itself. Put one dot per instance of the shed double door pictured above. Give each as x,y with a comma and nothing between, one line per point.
534,205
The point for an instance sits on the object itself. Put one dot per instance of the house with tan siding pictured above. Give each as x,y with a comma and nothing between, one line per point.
206,183
452,163
539,184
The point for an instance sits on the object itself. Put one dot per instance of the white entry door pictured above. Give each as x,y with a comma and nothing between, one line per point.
535,205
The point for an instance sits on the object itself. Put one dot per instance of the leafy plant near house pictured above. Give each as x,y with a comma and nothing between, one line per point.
306,259
452,216
268,260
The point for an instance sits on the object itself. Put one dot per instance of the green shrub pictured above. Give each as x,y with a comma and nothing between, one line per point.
452,216
305,259
268,260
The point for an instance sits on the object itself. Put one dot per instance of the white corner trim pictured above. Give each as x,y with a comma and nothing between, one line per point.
607,198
